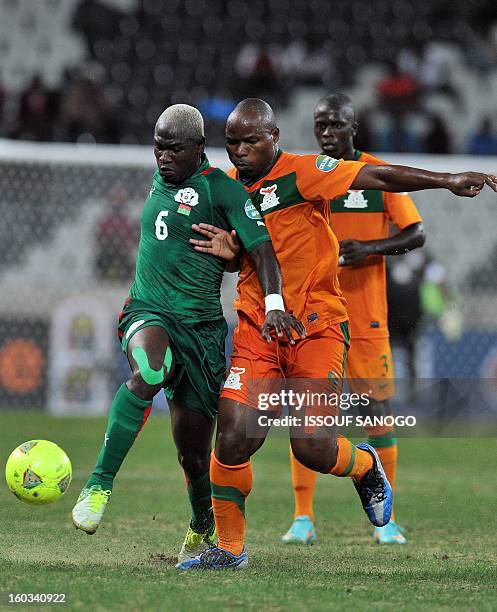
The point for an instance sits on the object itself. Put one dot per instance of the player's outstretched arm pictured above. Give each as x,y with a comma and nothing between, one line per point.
403,178
269,274
353,251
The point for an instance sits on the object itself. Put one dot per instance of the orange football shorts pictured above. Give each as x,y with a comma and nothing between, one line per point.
316,363
369,368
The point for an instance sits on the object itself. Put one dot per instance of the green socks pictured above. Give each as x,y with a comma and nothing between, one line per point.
199,492
126,416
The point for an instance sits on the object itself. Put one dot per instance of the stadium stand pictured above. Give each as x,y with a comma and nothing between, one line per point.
146,54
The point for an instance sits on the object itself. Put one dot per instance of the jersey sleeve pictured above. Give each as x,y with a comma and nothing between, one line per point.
242,215
401,209
320,177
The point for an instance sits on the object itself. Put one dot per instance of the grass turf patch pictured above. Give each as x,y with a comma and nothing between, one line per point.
445,499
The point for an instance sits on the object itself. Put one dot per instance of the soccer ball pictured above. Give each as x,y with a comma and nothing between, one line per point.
38,472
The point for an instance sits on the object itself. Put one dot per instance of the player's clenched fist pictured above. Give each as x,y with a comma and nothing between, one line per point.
353,251
282,321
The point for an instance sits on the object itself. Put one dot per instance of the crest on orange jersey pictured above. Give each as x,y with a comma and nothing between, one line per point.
270,199
233,381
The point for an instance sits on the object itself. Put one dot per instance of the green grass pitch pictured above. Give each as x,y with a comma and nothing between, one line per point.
446,500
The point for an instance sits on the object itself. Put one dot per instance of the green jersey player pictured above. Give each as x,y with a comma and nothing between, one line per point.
172,327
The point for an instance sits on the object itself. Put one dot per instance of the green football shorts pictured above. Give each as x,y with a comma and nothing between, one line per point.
198,350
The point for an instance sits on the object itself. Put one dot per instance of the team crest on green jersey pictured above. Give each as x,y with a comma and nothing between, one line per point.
325,163
187,198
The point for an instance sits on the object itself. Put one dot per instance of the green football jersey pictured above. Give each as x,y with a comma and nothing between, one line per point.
170,274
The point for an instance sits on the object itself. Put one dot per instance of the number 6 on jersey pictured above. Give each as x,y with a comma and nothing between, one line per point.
160,225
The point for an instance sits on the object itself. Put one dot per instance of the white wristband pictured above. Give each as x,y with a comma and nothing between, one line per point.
274,301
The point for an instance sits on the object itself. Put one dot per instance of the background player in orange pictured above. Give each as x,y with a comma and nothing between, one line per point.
291,193
361,220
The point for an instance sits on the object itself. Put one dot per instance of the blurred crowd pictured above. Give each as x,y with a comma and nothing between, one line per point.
403,93
139,62
77,111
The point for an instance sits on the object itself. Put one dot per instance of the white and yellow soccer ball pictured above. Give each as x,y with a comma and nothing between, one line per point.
38,472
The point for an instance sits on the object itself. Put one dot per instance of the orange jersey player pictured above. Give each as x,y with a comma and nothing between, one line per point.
293,198
361,220
290,192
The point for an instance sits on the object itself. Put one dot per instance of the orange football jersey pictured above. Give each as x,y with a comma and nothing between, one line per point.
368,215
293,201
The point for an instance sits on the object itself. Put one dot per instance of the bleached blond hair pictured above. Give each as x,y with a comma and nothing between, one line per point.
183,120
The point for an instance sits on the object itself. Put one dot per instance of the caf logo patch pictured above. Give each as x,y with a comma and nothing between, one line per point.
325,163
251,211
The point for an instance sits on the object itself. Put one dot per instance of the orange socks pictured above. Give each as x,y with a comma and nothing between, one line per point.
230,486
351,461
304,484
388,456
